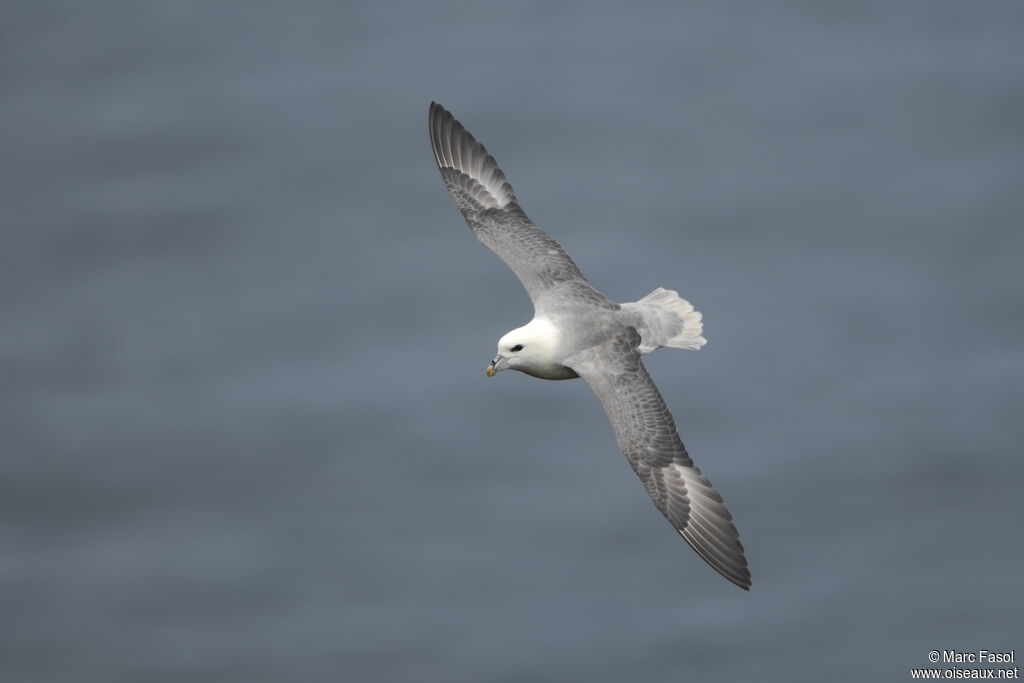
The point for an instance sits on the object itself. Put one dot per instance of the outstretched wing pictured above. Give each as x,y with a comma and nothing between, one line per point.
485,198
647,436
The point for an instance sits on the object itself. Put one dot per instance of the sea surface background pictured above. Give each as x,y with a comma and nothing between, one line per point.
244,425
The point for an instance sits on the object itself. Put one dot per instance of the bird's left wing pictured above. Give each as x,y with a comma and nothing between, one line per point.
485,198
647,435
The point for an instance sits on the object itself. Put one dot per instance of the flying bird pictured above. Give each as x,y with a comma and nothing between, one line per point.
578,332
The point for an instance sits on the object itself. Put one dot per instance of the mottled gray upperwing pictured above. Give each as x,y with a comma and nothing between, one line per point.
486,200
647,435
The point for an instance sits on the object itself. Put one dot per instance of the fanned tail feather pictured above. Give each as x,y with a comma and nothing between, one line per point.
687,332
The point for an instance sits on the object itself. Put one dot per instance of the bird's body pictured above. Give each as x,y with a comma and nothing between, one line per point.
578,332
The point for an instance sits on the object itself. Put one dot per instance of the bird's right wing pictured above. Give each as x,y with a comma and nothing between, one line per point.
485,198
647,435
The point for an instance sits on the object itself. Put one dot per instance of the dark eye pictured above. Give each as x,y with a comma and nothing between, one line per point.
517,347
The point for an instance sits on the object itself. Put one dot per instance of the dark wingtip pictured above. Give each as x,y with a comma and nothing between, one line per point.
745,581
741,581
437,110
743,578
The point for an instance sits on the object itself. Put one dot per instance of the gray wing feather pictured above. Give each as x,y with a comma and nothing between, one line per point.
647,435
485,198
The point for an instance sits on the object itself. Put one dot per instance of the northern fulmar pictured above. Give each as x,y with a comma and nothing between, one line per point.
578,332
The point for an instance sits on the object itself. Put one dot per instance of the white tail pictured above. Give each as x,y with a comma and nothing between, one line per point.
669,321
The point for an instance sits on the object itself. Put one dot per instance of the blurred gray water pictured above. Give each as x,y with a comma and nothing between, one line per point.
246,433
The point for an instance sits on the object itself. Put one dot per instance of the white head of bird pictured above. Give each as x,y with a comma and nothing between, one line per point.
533,349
